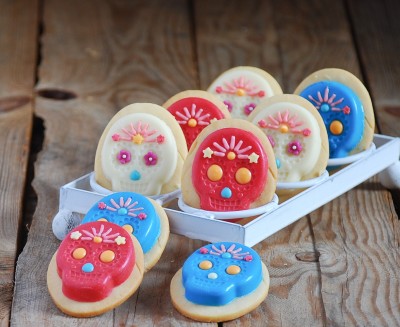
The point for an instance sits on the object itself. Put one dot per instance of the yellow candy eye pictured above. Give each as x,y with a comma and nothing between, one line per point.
233,270
214,173
205,265
107,256
243,175
79,253
336,127
128,228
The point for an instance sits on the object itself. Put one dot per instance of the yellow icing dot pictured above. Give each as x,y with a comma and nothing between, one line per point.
107,256
240,92
336,127
284,128
79,253
205,265
102,219
138,139
243,175
231,155
192,122
233,270
214,173
128,228
97,239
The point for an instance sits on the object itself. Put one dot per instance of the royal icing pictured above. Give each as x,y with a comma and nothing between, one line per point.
193,114
342,112
295,136
229,170
139,154
133,212
218,273
93,259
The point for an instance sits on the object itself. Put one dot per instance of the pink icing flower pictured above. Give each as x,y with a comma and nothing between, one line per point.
150,158
346,110
101,205
248,258
116,137
124,157
228,105
160,139
294,148
262,123
249,108
306,132
142,216
261,94
203,251
218,89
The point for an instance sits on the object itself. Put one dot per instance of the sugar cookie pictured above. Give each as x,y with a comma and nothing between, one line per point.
242,88
220,282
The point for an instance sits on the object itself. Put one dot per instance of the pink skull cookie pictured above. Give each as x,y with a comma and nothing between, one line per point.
194,110
230,167
97,267
242,88
141,150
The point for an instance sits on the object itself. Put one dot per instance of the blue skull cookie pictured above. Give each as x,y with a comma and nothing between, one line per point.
345,106
220,282
140,216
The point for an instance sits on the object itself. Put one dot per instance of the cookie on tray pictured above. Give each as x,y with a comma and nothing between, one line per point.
98,266
230,167
194,110
141,150
220,282
345,106
142,217
242,88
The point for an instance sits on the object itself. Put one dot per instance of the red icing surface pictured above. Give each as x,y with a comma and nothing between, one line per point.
242,194
209,108
96,285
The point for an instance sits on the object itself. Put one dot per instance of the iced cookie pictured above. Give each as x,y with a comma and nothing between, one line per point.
141,150
98,266
194,110
345,106
230,167
242,88
142,217
220,282
297,134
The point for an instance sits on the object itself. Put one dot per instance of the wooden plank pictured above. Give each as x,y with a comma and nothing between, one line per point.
18,25
99,57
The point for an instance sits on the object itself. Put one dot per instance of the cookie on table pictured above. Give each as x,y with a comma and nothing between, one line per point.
97,267
142,217
220,282
141,150
194,110
230,167
242,88
345,106
297,134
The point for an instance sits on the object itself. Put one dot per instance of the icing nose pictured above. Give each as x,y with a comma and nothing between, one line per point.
135,175
88,267
226,193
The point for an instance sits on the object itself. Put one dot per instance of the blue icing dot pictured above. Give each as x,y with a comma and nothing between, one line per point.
147,230
226,193
135,175
226,255
325,107
278,163
202,286
87,267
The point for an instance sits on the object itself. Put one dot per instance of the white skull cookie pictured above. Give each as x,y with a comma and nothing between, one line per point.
141,150
242,88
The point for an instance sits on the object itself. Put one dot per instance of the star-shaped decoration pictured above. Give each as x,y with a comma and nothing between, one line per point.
253,158
207,153
120,240
138,139
76,235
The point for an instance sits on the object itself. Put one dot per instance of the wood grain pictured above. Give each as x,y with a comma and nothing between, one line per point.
18,25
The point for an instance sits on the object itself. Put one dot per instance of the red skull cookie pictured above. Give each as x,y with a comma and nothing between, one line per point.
97,267
230,167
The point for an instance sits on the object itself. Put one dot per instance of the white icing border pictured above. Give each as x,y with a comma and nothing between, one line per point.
352,158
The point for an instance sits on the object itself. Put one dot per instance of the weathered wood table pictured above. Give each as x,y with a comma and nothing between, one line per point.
67,66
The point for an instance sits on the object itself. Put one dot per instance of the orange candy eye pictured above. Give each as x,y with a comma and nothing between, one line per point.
243,175
79,253
233,270
128,228
214,173
205,265
107,256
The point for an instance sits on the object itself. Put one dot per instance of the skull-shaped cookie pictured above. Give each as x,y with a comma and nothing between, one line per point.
194,110
140,216
242,88
230,167
297,134
97,266
141,150
219,282
345,106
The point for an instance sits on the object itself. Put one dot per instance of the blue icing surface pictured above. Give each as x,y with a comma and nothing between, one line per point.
337,102
214,286
128,208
